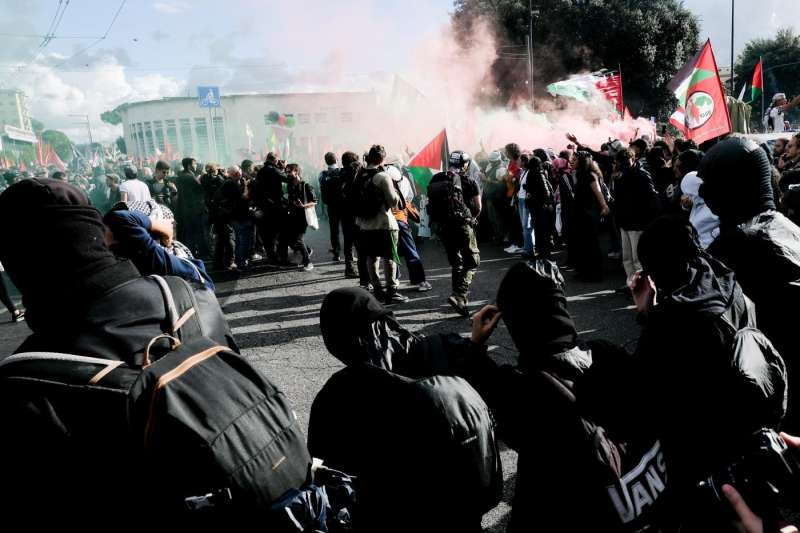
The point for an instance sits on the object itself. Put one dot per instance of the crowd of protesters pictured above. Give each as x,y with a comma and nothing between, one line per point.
608,440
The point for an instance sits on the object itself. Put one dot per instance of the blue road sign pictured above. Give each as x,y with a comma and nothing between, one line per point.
208,96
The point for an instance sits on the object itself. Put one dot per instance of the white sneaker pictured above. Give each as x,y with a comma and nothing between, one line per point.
614,255
424,286
256,257
307,268
510,250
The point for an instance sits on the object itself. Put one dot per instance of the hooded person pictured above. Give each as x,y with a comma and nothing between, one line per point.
556,408
382,420
142,232
86,302
704,221
692,307
759,244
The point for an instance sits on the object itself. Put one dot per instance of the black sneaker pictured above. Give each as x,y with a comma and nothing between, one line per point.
350,273
337,259
395,298
459,304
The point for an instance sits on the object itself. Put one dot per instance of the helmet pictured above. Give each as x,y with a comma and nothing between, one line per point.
460,160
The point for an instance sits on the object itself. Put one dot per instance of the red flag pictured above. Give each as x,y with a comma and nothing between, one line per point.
51,158
702,112
39,154
758,81
432,158
611,87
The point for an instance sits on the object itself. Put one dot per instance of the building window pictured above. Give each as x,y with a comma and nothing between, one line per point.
303,118
148,139
187,147
172,136
201,130
140,140
347,117
159,133
320,118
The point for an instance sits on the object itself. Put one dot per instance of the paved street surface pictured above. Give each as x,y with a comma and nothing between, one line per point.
275,318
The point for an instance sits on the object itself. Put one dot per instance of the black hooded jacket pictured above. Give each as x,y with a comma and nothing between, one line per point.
369,422
556,408
759,244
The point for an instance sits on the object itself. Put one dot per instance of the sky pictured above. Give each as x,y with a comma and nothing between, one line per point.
168,47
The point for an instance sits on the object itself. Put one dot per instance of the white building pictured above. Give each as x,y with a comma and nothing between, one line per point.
246,126
15,120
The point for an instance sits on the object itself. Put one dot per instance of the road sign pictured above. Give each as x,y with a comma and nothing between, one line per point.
208,96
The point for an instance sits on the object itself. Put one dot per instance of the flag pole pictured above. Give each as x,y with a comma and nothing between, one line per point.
733,11
621,94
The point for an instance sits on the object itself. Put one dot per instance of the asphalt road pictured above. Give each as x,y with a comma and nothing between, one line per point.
275,318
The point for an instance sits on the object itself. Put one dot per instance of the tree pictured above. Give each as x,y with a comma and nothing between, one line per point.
783,48
60,143
37,126
649,39
111,117
121,145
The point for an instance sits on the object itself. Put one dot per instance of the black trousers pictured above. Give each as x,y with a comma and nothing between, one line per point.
293,237
223,245
193,232
269,227
334,221
349,234
4,297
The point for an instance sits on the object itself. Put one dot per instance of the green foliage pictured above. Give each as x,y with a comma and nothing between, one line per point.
783,48
60,143
37,126
649,39
111,117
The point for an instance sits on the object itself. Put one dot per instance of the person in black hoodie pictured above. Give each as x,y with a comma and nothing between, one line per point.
695,383
373,420
635,205
556,408
759,244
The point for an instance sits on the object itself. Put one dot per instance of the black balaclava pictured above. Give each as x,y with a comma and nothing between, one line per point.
670,252
737,180
52,244
531,298
356,328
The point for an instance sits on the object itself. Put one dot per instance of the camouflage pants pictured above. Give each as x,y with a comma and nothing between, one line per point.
462,254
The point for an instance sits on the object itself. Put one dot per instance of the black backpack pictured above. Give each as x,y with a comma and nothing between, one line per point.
330,187
366,200
446,199
197,429
426,446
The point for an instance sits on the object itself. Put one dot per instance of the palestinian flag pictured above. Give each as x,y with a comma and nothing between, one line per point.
757,84
430,160
702,112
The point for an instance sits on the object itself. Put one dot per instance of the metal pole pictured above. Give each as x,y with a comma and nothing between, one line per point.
530,50
733,11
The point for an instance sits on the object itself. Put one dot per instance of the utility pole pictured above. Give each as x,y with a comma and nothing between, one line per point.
530,52
88,124
733,12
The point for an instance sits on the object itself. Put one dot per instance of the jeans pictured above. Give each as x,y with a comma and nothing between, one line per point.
527,228
244,238
408,249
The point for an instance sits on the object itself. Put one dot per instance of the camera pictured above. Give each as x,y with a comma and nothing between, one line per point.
767,476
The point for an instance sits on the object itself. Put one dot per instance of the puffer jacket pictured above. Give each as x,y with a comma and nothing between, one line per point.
764,252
